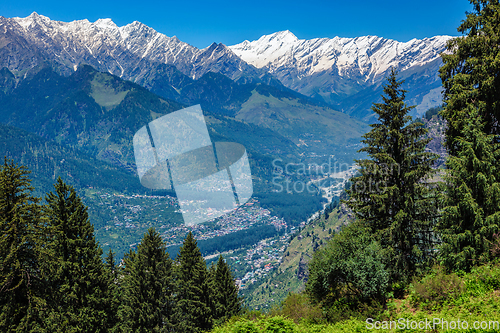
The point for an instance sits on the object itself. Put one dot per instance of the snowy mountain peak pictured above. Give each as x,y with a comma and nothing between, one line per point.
131,51
331,68
106,24
267,48
285,35
35,17
32,19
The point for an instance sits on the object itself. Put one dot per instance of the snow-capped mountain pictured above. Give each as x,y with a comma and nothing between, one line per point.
371,56
129,51
337,68
345,72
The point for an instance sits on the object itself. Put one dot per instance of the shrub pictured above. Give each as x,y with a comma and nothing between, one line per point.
245,327
279,325
351,266
298,307
238,325
339,310
482,280
435,289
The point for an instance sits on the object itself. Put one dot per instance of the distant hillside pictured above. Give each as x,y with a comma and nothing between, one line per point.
315,127
48,160
291,275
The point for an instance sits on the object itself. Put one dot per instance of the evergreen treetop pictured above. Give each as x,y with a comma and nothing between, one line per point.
78,286
225,299
470,72
147,302
193,301
472,213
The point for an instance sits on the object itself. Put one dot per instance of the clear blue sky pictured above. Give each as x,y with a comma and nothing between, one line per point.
200,23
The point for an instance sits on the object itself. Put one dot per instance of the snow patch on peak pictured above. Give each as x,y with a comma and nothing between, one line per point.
34,17
266,49
106,24
282,35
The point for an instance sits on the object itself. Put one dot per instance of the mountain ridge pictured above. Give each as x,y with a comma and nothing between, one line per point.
337,70
333,70
125,51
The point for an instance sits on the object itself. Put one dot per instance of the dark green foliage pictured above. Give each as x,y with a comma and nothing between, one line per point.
350,267
472,110
432,112
225,300
392,195
113,274
147,282
293,207
20,233
77,285
53,279
472,212
470,72
193,303
331,207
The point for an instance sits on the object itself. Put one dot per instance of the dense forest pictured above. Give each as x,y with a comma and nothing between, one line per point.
53,277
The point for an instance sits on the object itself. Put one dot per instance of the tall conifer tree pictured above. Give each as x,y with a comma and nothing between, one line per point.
225,300
20,228
78,282
193,303
471,78
147,302
113,275
392,195
472,213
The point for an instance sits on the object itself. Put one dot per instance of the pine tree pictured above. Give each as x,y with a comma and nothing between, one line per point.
78,283
21,289
470,72
472,212
193,304
392,195
225,300
471,78
147,302
113,273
